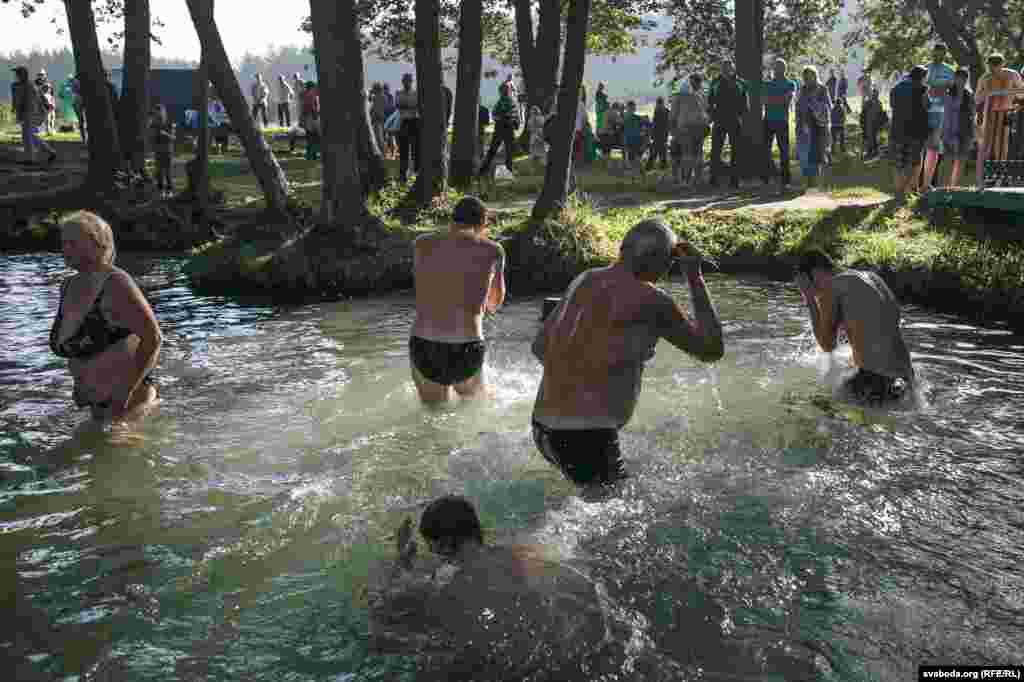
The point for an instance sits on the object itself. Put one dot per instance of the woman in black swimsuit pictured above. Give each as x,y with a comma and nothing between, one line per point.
104,325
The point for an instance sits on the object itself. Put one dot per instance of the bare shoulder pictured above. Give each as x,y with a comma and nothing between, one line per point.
121,281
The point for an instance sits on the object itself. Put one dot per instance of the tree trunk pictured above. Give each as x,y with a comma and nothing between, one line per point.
559,168
467,94
104,151
430,181
133,108
271,178
342,104
538,58
753,156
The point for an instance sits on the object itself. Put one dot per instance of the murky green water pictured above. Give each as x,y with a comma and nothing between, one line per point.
767,527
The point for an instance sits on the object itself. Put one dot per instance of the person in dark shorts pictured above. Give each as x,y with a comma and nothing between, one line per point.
459,274
909,104
863,304
595,343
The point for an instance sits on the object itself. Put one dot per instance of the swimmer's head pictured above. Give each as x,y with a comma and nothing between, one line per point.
96,231
470,212
817,266
449,523
646,249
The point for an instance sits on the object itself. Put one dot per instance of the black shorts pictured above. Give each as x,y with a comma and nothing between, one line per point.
446,363
874,388
585,456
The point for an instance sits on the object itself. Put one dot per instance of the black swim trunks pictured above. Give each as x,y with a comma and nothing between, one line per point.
446,363
872,387
585,456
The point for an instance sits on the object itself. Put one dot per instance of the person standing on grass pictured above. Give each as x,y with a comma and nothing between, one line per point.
285,95
909,130
600,106
938,79
409,132
958,124
839,108
311,120
538,149
871,117
813,111
831,84
458,275
659,137
633,126
161,131
727,104
596,342
260,99
28,111
506,121
690,129
777,97
298,87
378,112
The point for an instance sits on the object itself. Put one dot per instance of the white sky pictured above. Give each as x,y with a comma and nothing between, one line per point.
245,26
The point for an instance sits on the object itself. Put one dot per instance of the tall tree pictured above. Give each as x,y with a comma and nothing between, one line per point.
749,61
538,53
271,178
704,32
559,168
339,60
132,111
104,150
467,94
430,181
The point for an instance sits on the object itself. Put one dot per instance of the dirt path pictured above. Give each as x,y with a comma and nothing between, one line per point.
761,202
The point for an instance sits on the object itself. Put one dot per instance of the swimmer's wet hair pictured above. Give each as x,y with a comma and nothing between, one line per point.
647,247
470,211
448,522
96,229
815,260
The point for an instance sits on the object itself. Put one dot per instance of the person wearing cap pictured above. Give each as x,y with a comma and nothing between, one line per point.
994,101
939,79
29,112
459,274
49,102
594,345
861,303
909,104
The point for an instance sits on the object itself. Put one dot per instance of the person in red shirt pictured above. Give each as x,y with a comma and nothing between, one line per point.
311,120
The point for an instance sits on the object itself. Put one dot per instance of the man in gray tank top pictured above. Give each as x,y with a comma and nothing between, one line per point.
863,304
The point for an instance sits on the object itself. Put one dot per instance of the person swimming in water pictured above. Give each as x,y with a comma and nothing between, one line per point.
595,343
104,325
863,304
458,274
474,611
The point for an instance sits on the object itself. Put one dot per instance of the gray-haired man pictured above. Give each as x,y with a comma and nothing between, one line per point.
595,343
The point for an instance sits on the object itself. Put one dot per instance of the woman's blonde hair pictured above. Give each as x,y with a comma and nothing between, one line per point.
94,227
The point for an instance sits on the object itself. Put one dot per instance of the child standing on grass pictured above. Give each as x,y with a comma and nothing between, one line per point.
162,132
633,129
839,109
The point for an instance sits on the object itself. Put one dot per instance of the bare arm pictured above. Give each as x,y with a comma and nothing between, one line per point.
702,336
130,308
823,318
496,293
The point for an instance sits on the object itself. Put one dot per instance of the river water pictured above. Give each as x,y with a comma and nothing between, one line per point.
770,531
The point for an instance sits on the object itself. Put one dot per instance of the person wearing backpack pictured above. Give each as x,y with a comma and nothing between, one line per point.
28,111
506,123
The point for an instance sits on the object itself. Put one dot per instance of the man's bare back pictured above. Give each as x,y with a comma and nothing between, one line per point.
458,275
595,343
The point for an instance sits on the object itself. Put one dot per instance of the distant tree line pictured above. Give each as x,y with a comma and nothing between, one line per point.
60,64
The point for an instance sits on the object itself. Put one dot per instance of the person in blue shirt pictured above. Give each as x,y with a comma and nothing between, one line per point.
938,80
777,96
634,132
